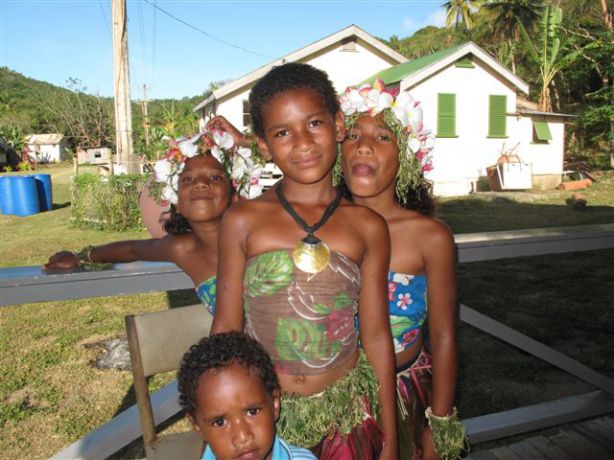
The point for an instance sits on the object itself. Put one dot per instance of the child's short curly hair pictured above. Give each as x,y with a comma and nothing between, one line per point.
220,351
288,77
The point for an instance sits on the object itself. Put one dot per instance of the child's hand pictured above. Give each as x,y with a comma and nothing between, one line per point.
219,122
62,260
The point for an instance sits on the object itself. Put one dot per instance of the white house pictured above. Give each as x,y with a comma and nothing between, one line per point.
468,98
46,148
470,102
347,56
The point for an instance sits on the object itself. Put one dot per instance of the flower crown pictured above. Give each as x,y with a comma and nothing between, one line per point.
237,162
404,116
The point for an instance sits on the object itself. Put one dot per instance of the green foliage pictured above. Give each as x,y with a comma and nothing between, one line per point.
14,136
107,203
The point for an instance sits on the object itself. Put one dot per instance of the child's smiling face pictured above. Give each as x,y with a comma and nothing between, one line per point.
370,157
204,189
300,135
235,414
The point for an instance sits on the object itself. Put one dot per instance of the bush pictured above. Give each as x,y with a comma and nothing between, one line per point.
107,203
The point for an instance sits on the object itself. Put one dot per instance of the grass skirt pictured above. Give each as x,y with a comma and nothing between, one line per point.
337,423
414,395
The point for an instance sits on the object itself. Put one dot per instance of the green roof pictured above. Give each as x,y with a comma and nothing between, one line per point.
401,71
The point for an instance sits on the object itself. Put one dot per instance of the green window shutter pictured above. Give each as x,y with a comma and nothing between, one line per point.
496,116
542,130
446,115
465,63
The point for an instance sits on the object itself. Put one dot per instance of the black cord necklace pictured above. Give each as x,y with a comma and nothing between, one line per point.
311,254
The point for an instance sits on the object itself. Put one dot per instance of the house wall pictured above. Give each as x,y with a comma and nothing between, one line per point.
46,152
459,162
545,158
344,68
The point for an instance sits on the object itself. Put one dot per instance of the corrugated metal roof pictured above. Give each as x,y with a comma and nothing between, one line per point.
400,71
45,139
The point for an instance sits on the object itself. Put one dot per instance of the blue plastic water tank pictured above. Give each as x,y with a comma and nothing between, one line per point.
45,194
7,204
24,195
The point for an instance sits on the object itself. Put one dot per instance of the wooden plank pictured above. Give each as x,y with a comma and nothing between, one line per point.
473,247
600,431
579,446
31,284
541,447
535,348
481,455
503,453
122,429
538,416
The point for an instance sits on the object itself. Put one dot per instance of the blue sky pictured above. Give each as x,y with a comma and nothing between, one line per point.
54,40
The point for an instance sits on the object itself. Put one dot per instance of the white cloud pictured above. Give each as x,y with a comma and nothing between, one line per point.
436,18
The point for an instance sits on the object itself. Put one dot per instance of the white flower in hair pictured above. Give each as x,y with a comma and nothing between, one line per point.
223,139
169,194
413,145
188,148
407,111
255,190
217,153
352,101
163,170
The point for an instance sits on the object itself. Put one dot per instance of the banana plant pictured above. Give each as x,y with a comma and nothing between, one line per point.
549,52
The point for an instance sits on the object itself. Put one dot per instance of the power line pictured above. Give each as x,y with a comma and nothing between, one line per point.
104,16
208,34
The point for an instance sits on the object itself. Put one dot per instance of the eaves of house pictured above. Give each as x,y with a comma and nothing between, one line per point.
412,72
348,34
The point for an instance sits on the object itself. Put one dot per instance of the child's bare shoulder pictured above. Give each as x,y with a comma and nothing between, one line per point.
245,211
363,217
426,228
179,243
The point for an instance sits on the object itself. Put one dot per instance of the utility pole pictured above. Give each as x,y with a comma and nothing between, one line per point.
121,75
145,116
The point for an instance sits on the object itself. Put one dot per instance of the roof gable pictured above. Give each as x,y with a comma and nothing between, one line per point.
302,54
44,139
413,72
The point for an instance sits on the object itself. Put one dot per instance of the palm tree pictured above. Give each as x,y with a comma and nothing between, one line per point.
461,11
509,15
548,53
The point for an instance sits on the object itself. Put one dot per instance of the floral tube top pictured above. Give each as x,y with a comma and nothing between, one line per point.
206,293
407,308
304,321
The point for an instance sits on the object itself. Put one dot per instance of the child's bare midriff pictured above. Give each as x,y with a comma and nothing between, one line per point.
308,385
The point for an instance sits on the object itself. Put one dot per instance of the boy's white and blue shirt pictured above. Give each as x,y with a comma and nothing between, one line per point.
281,451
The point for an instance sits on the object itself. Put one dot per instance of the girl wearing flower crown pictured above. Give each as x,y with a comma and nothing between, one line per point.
384,156
197,177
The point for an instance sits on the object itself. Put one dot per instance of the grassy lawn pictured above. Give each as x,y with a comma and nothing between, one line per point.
48,387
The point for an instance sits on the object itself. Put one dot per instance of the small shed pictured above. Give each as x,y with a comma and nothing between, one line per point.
94,156
46,148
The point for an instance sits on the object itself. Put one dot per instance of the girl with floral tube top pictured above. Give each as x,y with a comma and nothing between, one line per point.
384,155
197,177
298,263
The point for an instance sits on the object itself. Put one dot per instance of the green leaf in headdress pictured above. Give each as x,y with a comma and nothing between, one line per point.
268,273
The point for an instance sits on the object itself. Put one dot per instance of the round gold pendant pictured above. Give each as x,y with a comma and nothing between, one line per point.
311,258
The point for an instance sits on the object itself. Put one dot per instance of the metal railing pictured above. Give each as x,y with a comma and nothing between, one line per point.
30,284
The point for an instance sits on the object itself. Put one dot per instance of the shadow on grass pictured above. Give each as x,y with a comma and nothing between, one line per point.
60,205
485,213
563,301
